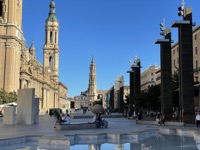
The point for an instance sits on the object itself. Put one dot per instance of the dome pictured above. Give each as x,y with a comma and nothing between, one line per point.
32,48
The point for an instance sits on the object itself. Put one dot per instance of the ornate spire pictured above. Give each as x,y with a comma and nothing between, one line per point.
32,49
92,60
92,91
52,12
32,46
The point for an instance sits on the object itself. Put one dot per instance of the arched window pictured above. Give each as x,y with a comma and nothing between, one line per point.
50,61
55,37
51,37
1,8
46,36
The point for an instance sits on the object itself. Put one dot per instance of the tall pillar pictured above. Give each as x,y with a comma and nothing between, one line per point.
134,84
166,75
186,79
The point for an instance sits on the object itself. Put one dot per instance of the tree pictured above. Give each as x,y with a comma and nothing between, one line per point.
149,99
6,97
175,81
154,97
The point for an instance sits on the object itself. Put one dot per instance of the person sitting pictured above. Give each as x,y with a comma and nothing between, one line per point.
99,121
94,118
162,120
59,119
67,119
157,119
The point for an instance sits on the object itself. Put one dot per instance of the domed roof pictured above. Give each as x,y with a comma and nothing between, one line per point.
32,48
52,12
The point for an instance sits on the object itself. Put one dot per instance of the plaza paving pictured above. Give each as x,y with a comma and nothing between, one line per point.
46,127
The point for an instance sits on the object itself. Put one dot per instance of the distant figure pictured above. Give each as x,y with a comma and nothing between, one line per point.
67,119
162,119
175,116
197,118
63,117
59,119
157,119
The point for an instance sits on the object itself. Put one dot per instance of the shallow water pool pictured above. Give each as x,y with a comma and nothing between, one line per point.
160,142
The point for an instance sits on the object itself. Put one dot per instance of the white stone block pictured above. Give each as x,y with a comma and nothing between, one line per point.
10,111
28,107
9,120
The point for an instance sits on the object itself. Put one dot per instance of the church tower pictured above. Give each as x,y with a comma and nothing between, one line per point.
11,43
92,87
51,49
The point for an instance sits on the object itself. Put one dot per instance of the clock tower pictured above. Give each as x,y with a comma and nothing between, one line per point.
51,49
11,43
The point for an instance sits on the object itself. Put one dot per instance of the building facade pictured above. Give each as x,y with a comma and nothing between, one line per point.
148,77
19,67
196,63
81,102
102,97
196,55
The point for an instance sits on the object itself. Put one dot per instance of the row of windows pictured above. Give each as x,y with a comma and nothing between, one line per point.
196,50
196,62
51,37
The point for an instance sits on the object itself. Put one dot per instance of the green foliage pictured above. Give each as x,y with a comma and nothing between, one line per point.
149,99
175,81
6,97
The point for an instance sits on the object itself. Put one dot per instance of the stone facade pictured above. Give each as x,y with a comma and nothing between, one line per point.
19,67
148,77
196,55
102,97
81,101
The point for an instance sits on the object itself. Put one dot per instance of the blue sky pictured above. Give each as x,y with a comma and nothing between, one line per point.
113,31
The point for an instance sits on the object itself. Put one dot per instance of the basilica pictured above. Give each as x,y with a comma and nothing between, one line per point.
19,67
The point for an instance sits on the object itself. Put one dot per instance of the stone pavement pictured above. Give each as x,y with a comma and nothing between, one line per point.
46,128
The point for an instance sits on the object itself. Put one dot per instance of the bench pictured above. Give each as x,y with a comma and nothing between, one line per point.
77,126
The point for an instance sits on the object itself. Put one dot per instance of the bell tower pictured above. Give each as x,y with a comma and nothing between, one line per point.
92,87
11,43
51,49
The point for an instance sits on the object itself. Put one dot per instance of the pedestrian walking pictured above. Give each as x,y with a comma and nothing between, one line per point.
197,119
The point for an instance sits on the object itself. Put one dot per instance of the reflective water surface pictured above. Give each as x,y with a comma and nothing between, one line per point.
161,142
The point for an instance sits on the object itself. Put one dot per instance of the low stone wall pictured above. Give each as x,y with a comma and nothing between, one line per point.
78,126
167,123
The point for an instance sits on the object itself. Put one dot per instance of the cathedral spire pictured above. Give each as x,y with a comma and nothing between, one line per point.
52,11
